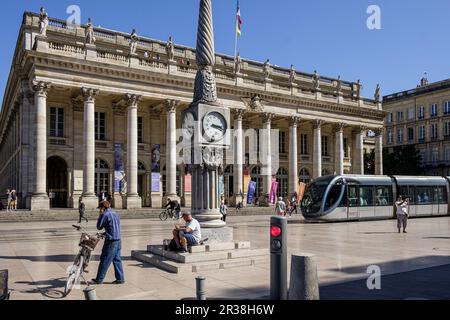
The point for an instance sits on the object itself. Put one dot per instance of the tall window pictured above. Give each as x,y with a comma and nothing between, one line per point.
389,118
434,131
447,153
305,176
399,116
447,128
434,110
410,134
101,177
435,155
140,130
282,142
390,137
345,147
282,179
100,129
422,132
57,122
446,107
400,135
421,112
304,144
324,146
411,114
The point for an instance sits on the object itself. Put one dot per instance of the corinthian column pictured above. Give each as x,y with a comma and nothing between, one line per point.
339,152
317,152
379,151
266,158
238,168
39,199
171,150
133,199
89,197
358,151
293,155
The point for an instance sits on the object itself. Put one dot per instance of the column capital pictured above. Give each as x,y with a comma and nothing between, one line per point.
89,94
239,114
317,124
40,88
359,129
339,127
378,132
294,121
171,105
132,100
267,117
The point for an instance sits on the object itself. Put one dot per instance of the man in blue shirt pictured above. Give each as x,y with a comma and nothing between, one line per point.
110,221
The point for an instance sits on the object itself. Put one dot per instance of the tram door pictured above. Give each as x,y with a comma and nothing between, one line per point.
353,202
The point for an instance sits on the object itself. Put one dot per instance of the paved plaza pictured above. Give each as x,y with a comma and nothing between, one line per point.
38,253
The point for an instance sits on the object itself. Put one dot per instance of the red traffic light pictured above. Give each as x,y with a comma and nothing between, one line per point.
275,231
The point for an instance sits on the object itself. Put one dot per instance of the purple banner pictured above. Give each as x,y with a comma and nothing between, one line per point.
251,192
156,177
273,192
119,170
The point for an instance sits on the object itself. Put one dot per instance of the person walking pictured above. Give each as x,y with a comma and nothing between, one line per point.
111,252
402,210
8,204
224,211
280,207
82,211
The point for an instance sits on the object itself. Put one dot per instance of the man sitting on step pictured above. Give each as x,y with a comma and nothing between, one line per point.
189,235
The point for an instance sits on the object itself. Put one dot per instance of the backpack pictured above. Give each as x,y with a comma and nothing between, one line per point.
173,246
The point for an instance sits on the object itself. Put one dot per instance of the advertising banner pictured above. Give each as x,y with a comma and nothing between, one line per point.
273,192
188,183
251,192
119,170
156,177
301,192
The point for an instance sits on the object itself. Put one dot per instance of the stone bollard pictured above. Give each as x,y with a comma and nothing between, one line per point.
200,285
89,293
304,283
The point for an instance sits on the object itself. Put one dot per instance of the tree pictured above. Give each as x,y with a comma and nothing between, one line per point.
405,160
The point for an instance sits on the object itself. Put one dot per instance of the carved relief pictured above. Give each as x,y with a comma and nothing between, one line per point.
89,94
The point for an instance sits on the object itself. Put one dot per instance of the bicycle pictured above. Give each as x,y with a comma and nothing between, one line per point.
163,216
82,259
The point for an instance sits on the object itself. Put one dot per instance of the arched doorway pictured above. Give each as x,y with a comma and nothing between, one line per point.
142,185
304,176
282,179
229,183
256,176
101,178
57,182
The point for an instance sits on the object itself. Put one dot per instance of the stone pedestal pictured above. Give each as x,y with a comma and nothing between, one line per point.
90,202
133,202
218,235
118,201
41,44
91,52
39,202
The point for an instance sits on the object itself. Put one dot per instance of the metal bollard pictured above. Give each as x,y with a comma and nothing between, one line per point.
89,293
200,284
278,258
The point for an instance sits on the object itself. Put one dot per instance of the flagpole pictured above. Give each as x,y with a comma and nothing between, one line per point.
235,32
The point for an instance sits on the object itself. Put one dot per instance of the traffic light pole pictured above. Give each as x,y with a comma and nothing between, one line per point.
278,258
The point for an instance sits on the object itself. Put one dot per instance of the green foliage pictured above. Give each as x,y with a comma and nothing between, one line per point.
405,160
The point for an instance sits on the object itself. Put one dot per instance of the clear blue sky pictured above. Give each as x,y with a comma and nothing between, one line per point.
327,35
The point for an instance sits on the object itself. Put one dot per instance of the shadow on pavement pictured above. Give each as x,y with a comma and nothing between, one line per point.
53,288
55,258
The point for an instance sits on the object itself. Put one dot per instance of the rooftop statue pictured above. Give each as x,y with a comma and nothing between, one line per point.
90,39
43,22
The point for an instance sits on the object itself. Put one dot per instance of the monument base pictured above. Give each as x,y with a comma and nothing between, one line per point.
225,234
39,202
90,202
133,202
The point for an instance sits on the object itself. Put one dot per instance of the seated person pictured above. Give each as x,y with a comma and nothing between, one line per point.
189,235
174,206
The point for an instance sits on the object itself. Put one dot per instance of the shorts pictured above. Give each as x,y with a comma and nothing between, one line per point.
190,239
13,203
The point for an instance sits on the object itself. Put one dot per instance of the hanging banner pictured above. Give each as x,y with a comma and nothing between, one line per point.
188,183
273,192
301,192
156,156
220,187
251,192
246,183
156,178
119,170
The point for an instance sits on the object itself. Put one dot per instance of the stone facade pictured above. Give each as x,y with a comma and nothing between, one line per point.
69,103
421,117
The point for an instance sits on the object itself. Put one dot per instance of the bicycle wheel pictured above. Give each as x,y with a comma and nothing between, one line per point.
74,275
163,216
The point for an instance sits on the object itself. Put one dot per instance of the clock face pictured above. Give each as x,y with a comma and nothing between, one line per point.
188,125
214,126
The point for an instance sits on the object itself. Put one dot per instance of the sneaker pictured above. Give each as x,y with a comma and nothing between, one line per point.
405,231
118,282
95,281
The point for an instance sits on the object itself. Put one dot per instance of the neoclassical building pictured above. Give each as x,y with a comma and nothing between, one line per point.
89,111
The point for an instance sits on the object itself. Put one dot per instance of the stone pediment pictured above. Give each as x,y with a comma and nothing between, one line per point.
254,104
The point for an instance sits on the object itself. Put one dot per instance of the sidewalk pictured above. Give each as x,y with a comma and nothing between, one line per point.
145,213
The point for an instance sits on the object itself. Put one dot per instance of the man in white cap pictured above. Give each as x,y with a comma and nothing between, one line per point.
190,234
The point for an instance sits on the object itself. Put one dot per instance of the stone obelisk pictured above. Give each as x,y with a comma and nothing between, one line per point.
208,158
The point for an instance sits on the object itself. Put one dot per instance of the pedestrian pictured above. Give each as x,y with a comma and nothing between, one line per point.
14,200
109,198
280,207
111,252
402,209
8,204
82,211
224,211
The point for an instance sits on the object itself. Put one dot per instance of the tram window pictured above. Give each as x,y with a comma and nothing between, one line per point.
425,195
352,196
383,196
344,199
408,191
366,196
334,195
443,197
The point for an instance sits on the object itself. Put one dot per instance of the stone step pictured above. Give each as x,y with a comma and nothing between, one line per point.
187,257
177,267
242,253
